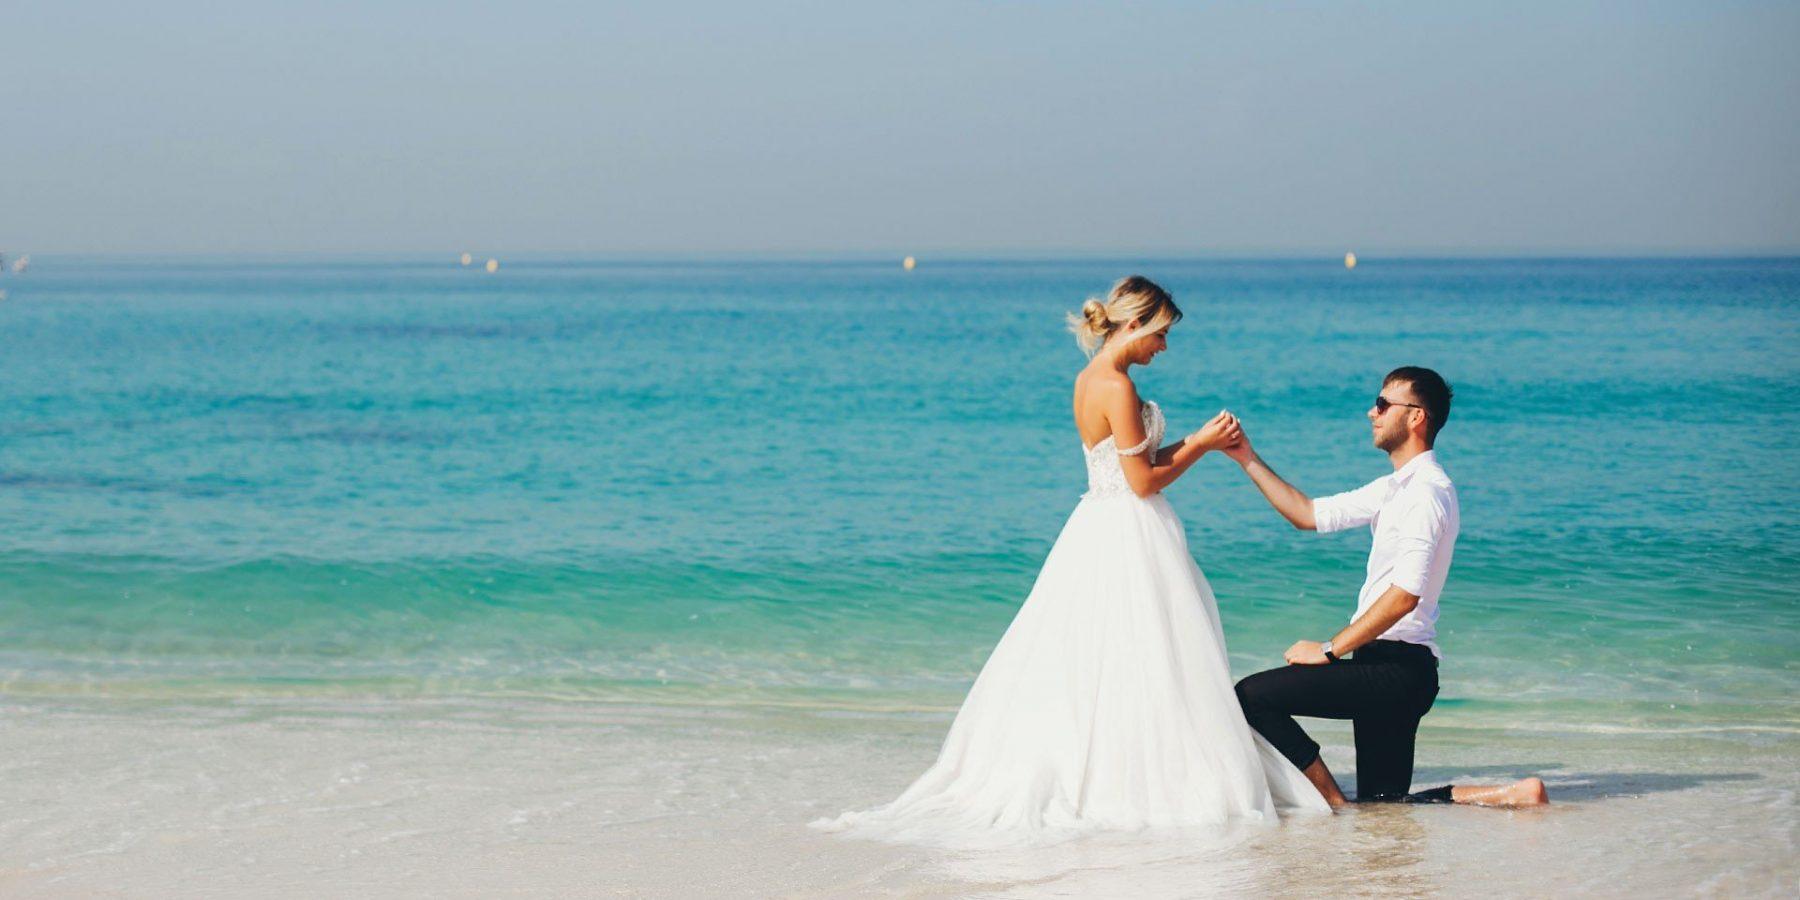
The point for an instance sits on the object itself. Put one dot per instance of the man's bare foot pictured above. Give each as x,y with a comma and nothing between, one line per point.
1524,792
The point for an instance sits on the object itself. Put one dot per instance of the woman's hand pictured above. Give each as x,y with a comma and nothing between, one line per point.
1223,431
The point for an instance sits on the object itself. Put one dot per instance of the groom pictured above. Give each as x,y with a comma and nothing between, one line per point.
1381,670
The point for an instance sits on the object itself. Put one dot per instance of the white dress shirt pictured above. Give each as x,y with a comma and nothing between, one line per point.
1414,516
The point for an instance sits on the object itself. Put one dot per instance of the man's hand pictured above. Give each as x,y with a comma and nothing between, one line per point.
1241,452
1306,653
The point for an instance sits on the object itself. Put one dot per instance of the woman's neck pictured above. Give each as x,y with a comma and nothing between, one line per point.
1116,360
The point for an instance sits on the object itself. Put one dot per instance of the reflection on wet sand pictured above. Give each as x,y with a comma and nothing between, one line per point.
1387,846
1383,848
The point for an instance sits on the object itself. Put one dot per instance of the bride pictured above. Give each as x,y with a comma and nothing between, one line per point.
1108,704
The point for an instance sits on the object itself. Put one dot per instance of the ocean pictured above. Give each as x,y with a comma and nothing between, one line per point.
808,496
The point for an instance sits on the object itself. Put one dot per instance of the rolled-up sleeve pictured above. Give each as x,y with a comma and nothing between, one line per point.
1422,520
1351,508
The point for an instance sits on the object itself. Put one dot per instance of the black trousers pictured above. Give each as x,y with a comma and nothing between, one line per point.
1384,688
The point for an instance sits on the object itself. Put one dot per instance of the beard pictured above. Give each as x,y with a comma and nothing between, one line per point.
1388,440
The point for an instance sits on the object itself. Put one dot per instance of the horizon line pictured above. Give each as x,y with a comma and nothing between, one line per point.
924,257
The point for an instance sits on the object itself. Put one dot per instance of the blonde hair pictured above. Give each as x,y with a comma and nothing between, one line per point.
1134,297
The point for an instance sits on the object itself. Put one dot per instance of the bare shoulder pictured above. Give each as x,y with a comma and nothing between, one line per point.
1106,385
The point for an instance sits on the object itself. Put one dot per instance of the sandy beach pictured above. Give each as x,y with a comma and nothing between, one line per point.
295,799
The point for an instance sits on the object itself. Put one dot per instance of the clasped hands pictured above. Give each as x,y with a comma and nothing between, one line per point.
1223,433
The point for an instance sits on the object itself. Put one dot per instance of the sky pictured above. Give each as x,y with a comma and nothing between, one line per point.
839,128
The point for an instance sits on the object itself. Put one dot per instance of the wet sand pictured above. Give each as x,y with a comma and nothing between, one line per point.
411,798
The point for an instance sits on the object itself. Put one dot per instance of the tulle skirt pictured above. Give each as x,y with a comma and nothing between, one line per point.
1107,705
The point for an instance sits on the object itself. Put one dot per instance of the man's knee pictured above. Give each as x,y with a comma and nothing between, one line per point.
1250,693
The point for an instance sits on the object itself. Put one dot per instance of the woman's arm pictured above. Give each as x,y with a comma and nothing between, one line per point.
1169,464
1149,473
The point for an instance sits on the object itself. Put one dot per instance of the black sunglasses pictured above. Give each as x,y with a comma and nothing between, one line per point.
1382,404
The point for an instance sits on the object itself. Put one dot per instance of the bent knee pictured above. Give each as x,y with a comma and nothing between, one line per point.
1248,694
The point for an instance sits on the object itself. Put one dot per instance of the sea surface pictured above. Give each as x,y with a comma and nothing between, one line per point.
822,488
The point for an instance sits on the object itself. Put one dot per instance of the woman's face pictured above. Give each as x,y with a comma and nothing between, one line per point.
1145,349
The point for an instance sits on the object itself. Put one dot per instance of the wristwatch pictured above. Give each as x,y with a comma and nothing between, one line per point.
1326,649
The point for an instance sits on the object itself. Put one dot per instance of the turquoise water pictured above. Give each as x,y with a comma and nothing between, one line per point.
829,484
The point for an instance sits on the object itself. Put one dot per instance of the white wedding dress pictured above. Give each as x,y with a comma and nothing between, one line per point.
1108,704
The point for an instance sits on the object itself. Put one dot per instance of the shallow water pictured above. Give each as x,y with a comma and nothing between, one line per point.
821,489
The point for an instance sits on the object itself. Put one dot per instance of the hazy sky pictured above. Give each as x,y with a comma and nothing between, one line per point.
920,127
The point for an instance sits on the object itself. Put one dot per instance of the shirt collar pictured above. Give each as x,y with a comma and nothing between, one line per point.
1405,473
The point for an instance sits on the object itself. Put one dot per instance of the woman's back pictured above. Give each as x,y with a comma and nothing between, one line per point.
1095,386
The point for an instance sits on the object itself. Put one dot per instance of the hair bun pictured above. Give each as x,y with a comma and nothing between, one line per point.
1095,313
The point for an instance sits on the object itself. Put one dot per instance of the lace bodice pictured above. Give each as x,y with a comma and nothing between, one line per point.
1105,476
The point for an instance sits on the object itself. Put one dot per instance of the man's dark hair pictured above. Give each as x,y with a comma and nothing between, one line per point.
1432,392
